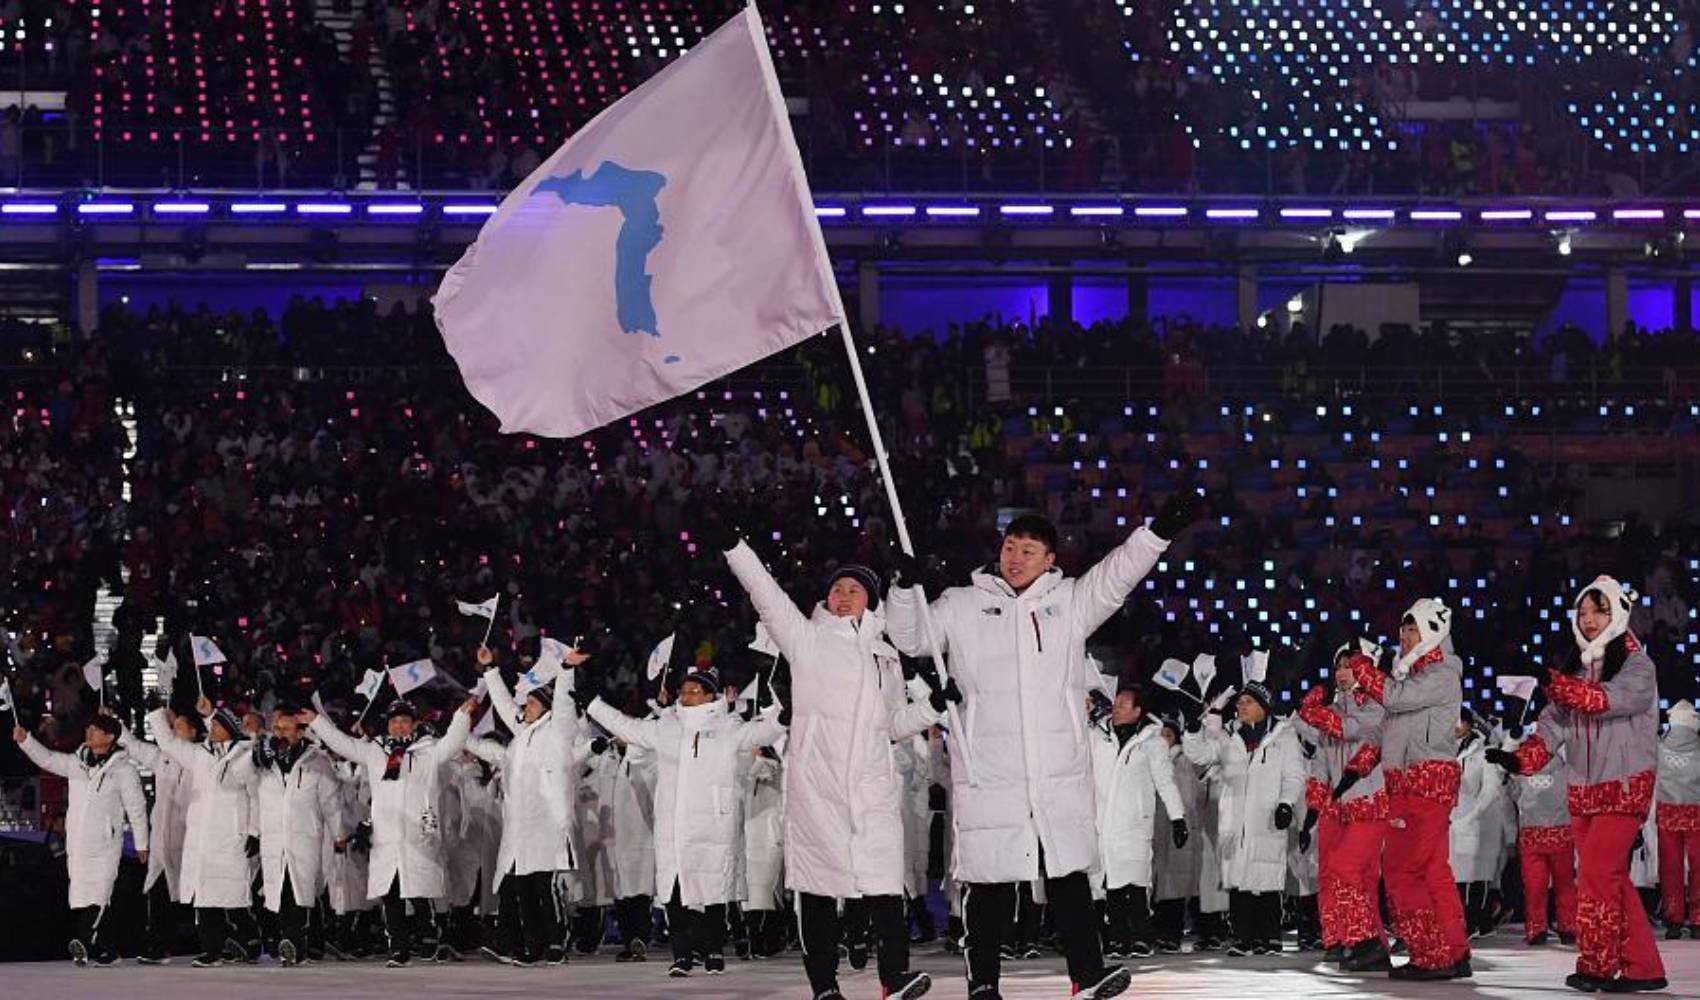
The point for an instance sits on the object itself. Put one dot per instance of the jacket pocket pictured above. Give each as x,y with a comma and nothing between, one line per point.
724,801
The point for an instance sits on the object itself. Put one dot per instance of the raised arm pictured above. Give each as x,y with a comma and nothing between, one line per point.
1101,590
487,750
763,731
51,761
179,750
1205,746
145,753
454,739
632,732
346,746
788,625
502,700
903,621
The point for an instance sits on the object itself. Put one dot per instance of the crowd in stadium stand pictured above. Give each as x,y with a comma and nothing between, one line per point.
322,512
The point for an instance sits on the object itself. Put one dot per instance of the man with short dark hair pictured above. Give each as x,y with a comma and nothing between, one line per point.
1021,773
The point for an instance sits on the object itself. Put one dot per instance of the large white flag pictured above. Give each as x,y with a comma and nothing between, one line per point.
206,651
411,675
670,241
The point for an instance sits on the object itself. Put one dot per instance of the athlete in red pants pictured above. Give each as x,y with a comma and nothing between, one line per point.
1422,697
1604,713
1349,796
1678,819
1545,845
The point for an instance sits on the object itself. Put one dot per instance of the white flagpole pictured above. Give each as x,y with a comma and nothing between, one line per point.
485,644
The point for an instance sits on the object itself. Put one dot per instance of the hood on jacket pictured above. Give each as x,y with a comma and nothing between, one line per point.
988,579
1620,600
1684,716
696,718
1434,623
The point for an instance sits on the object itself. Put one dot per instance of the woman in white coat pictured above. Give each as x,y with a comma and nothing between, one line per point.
404,772
168,822
104,790
1262,776
764,851
1131,770
1468,849
1021,774
537,814
298,796
843,794
633,853
216,841
345,862
698,837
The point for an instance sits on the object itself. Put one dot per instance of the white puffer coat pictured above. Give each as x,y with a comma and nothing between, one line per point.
168,820
1469,851
764,833
634,822
298,813
102,795
843,793
1252,851
1022,772
1130,777
215,840
539,783
698,819
346,870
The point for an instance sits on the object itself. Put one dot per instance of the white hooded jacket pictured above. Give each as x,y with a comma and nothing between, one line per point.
1130,777
1024,777
1252,851
215,841
102,795
298,813
538,782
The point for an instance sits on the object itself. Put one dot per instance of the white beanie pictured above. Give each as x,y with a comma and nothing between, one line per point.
1434,624
1683,714
1620,600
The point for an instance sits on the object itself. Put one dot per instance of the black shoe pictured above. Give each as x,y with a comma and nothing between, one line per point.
287,954
1398,947
524,962
915,984
400,960
1207,944
490,954
859,956
635,951
79,953
829,994
680,968
1334,953
1538,940
1008,952
1694,932
1367,956
1241,949
1585,983
1139,949
1567,937
105,961
1168,947
1624,984
1462,970
207,961
1310,944
1673,932
153,959
714,965
1111,983
1414,973
1031,952
952,946
984,991
1114,950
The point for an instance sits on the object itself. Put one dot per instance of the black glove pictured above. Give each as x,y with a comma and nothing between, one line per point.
1195,723
1179,511
1640,841
1283,816
251,847
936,798
785,716
1345,784
905,570
1504,758
1304,831
599,745
1177,830
587,685
1101,706
943,699
362,839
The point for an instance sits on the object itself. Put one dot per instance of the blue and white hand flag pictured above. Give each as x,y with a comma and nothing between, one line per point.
483,609
1517,685
670,241
411,675
369,684
1171,674
93,676
659,657
1203,671
206,651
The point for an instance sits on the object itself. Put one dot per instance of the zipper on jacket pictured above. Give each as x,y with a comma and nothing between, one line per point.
1038,635
696,742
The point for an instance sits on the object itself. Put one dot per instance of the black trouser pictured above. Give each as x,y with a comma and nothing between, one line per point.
1307,920
165,915
534,895
215,926
590,926
632,915
1256,917
821,929
988,908
1130,915
1024,920
88,930
705,931
1169,919
292,916
398,924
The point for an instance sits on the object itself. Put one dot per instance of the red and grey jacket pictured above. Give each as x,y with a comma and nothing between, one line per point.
1418,749
1678,792
1347,732
1609,733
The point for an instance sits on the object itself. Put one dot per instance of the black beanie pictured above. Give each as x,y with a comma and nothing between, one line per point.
543,694
401,706
1260,693
708,677
226,718
869,580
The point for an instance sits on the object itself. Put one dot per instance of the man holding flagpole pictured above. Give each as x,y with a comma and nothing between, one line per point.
1017,640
